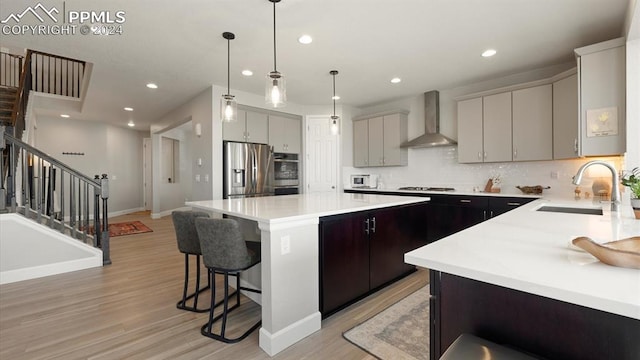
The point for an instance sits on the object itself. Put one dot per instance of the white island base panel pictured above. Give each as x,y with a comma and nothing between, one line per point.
289,313
290,278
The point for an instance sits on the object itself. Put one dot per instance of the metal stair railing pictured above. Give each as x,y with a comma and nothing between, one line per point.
51,193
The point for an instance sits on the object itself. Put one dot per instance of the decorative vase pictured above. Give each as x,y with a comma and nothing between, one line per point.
635,204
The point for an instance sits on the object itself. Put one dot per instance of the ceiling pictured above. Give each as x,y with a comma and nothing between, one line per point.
430,44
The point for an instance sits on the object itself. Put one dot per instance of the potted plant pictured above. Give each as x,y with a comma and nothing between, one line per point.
631,179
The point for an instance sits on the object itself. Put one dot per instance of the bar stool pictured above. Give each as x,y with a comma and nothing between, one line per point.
188,244
225,252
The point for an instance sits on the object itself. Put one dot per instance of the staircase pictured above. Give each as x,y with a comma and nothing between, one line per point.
32,183
8,97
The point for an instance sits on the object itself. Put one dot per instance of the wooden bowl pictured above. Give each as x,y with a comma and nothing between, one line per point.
621,253
535,190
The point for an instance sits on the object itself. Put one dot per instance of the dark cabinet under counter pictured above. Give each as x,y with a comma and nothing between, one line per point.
448,213
362,252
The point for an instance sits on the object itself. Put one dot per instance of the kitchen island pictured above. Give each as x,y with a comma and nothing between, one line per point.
515,279
290,257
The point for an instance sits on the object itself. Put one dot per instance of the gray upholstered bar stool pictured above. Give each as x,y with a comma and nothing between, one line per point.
189,244
225,252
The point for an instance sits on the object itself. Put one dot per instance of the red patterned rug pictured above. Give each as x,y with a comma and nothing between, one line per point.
125,228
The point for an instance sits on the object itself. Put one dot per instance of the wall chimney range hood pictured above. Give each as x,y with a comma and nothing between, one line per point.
432,136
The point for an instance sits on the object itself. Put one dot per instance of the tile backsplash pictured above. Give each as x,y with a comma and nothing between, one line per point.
439,167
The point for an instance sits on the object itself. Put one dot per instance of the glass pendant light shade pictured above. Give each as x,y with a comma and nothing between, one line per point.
228,108
228,104
335,126
275,90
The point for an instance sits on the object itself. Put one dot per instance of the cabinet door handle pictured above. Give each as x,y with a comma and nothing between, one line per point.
513,204
575,145
366,228
515,153
479,155
485,155
373,224
465,201
484,214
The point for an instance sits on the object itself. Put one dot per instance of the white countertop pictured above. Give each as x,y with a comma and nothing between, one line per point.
454,192
528,250
275,209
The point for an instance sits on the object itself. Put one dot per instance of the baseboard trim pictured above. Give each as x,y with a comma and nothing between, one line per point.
275,343
162,214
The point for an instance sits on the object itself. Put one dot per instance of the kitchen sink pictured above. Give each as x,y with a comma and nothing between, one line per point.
571,210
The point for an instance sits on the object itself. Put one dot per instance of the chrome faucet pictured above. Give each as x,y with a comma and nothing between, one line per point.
615,180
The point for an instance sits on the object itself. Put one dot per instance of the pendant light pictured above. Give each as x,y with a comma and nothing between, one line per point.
228,104
275,90
334,118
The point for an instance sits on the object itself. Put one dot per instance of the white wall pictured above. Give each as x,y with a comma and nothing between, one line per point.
633,87
198,110
107,149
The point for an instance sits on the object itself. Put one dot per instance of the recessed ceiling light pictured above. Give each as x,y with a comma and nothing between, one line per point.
336,97
247,72
152,86
395,80
131,124
489,53
128,109
64,115
305,39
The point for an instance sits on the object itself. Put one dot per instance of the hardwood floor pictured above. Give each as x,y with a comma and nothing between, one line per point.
127,310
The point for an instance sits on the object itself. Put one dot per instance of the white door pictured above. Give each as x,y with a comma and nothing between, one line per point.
147,177
322,155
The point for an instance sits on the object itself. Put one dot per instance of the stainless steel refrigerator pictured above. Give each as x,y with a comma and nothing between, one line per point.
248,169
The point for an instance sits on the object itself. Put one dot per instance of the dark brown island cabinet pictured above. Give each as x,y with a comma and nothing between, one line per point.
363,251
542,327
448,214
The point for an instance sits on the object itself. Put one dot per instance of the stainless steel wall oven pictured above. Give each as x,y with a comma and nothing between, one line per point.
286,173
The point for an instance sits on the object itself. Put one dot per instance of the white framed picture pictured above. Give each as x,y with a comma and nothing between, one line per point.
602,122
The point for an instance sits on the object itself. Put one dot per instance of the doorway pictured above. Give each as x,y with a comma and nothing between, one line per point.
147,177
322,167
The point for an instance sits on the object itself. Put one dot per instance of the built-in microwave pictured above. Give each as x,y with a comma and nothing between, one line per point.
366,181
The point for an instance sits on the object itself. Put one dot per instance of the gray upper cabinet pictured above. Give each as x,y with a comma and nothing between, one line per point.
470,147
377,139
235,131
496,118
361,143
601,95
484,129
285,134
533,123
565,117
250,127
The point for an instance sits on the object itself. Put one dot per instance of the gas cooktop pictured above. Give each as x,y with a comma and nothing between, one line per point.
423,188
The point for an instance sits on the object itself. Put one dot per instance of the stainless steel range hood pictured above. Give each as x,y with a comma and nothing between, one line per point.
432,136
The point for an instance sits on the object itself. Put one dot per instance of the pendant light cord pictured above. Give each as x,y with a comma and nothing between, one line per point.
228,66
334,95
275,68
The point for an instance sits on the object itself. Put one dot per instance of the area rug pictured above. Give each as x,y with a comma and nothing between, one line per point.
399,332
125,228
